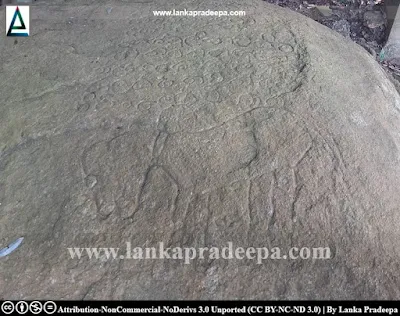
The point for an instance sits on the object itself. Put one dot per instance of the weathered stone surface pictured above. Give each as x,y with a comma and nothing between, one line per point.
264,130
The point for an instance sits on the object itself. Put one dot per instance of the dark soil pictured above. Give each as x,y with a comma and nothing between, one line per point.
364,21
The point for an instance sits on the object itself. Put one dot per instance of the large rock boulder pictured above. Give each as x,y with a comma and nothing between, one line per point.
267,130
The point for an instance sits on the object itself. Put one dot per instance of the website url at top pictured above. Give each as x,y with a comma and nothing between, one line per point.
198,13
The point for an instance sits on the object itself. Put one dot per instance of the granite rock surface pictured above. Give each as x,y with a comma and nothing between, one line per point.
267,130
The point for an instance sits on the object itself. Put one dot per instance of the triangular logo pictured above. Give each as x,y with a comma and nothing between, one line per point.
18,24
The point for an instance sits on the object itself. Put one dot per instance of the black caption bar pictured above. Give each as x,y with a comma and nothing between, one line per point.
200,307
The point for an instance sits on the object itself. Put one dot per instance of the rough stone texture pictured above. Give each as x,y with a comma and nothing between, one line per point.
268,130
